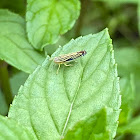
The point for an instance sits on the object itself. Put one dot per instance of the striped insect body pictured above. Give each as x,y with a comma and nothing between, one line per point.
67,58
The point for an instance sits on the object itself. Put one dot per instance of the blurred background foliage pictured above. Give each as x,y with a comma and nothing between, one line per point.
122,17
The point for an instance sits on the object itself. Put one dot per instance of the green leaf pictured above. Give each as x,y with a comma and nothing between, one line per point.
94,128
17,80
128,96
48,19
131,62
132,127
10,130
128,63
56,102
137,137
14,46
50,49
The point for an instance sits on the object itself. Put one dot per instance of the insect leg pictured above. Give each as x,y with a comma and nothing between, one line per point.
68,65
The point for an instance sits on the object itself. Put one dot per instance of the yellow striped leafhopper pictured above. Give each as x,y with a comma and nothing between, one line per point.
67,58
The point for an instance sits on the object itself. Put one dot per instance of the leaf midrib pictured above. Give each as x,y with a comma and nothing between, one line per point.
21,49
71,107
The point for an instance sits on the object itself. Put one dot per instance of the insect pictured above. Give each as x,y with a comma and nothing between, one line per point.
67,58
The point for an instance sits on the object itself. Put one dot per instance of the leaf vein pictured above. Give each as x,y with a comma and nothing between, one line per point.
45,89
71,107
35,13
31,123
21,49
64,83
96,66
91,57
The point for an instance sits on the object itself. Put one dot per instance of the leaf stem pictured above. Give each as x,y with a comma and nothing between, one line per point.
4,82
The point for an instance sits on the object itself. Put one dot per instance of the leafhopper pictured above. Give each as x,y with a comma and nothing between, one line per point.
67,58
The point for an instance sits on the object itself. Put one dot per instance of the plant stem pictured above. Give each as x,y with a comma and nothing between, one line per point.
4,82
84,6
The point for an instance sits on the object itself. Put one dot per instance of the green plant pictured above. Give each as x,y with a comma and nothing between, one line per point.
82,102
